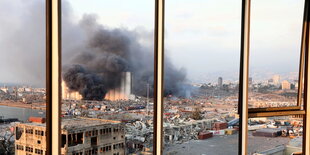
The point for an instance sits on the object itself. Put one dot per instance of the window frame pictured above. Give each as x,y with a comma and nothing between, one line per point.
53,78
292,110
243,110
158,76
301,68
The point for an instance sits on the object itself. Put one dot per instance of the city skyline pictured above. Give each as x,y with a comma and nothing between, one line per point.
206,56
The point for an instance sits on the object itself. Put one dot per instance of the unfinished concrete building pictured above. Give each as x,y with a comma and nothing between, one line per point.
79,136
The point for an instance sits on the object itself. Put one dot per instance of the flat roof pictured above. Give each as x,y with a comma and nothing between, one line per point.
80,122
84,122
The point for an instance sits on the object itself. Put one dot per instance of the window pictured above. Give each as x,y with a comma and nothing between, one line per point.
78,153
29,149
38,151
107,70
201,76
63,140
277,94
275,53
73,139
19,147
29,131
23,79
243,83
105,148
39,133
94,141
272,112
102,149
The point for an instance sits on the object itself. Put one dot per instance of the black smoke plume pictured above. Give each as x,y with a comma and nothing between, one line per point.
90,86
93,56
102,54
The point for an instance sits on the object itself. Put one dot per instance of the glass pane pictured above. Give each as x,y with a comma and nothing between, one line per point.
22,80
275,135
108,70
276,28
201,77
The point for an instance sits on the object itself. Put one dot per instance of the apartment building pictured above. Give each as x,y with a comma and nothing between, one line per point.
79,136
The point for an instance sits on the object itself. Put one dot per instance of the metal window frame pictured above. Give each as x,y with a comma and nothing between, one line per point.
298,109
53,77
306,118
158,76
243,77
300,76
304,72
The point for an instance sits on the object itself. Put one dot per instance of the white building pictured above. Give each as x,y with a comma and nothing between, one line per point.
276,79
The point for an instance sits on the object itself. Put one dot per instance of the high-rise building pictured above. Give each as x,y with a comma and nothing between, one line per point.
276,79
250,80
270,81
220,82
285,85
78,136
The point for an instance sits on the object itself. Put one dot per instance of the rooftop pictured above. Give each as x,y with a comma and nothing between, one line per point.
84,122
71,123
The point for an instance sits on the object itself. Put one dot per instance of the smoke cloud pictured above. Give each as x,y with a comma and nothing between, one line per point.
93,55
104,54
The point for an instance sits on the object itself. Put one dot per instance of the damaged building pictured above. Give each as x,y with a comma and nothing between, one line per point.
185,131
79,136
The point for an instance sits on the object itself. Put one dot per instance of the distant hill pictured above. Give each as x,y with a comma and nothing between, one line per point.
9,84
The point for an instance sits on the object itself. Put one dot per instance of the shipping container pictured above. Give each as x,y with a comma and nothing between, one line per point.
37,119
205,135
268,132
220,125
218,132
230,131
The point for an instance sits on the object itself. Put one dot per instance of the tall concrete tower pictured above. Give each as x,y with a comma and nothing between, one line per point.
220,82
123,92
69,95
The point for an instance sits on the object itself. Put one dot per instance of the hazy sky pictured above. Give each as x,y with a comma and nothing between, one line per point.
22,42
202,36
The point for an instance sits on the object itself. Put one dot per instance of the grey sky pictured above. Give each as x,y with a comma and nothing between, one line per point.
22,42
202,36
